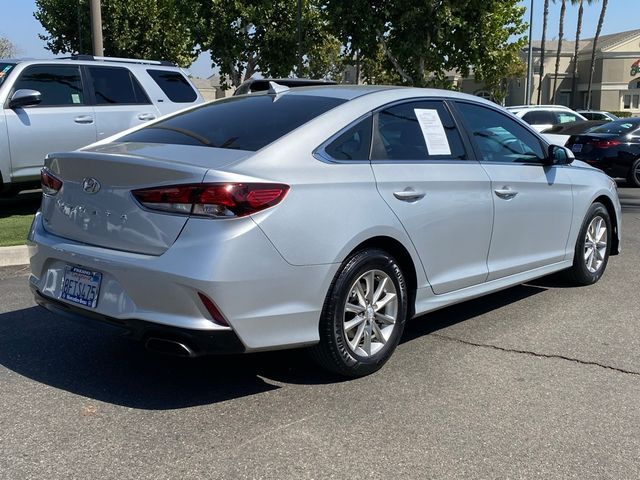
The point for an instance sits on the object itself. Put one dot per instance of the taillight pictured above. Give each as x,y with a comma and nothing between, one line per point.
50,184
604,143
216,200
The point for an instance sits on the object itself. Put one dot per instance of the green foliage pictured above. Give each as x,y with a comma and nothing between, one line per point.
156,29
622,114
424,41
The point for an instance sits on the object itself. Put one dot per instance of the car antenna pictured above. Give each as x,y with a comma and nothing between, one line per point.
276,89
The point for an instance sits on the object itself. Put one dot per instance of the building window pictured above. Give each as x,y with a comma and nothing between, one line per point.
626,102
636,101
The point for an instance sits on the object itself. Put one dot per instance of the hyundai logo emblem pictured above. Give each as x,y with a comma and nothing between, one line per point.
91,185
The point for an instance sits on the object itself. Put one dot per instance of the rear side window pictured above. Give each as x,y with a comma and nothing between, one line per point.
240,123
113,85
353,144
174,85
539,117
59,85
417,131
566,117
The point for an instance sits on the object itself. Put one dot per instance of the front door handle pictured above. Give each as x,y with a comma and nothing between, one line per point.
506,193
409,195
85,119
145,117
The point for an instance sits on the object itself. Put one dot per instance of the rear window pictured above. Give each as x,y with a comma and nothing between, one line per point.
239,123
174,85
619,127
5,70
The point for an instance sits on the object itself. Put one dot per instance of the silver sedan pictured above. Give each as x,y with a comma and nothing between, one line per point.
323,217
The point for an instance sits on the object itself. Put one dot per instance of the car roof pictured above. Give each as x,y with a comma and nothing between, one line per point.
91,60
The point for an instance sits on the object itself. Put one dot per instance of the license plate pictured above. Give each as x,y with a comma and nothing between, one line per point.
81,286
577,147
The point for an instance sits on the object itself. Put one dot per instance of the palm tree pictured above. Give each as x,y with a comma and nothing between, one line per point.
574,81
545,19
563,9
603,11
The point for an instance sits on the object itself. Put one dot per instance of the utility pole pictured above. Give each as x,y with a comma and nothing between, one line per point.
96,28
528,83
300,38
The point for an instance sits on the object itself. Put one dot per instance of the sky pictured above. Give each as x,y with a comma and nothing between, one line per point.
21,28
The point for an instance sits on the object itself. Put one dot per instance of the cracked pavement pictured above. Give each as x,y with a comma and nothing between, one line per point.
538,381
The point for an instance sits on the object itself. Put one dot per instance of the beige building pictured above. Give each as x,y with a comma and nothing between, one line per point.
210,88
616,79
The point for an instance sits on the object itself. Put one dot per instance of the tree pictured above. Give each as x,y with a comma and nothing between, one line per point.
7,49
563,9
423,42
574,81
157,29
592,67
545,21
261,35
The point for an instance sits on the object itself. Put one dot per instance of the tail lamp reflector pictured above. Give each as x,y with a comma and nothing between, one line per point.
50,184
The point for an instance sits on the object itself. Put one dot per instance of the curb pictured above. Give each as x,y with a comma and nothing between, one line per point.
10,256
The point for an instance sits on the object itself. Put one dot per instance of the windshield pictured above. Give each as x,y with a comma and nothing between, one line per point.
619,127
239,123
5,70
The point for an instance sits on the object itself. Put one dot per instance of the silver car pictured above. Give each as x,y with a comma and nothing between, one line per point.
318,216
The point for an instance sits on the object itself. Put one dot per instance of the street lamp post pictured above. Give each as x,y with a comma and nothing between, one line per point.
528,83
300,38
96,28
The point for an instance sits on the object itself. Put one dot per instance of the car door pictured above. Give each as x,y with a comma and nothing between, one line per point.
533,200
442,198
120,101
63,121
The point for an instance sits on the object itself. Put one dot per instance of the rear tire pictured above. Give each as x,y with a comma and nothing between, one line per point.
633,178
592,247
363,315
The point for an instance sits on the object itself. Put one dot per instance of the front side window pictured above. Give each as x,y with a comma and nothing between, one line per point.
115,85
174,85
417,131
60,85
499,138
239,123
354,144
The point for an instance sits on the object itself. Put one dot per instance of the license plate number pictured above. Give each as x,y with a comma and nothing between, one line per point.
577,147
81,286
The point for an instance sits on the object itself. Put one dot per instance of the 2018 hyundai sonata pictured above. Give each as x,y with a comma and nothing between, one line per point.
320,216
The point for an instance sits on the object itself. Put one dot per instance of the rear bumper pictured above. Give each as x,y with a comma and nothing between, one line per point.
199,342
268,303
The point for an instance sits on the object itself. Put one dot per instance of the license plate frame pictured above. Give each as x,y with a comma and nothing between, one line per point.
80,286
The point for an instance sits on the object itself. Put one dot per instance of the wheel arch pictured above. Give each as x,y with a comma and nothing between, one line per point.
615,239
396,249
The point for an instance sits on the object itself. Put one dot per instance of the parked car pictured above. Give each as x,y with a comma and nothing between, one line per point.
262,84
613,147
598,115
64,104
322,217
542,117
559,134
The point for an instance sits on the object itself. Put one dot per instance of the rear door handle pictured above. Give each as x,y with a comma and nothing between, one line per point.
83,119
506,193
145,117
409,195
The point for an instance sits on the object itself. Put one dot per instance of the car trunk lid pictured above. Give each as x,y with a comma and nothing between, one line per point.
95,204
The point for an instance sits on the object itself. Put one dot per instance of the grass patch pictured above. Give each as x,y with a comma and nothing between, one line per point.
15,217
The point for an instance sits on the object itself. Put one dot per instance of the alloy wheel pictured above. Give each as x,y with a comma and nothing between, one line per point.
595,244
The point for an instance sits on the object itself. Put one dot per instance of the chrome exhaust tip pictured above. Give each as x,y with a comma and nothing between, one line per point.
169,347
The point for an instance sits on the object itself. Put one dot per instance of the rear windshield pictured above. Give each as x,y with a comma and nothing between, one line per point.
619,127
5,70
240,123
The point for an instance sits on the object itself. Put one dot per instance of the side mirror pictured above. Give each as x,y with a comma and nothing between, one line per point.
25,98
558,155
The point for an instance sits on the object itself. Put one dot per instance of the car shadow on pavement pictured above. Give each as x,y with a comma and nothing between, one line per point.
26,203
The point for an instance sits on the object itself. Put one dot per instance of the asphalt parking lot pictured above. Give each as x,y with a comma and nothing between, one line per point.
538,381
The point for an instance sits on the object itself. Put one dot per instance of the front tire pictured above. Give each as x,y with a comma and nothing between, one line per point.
592,247
363,315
